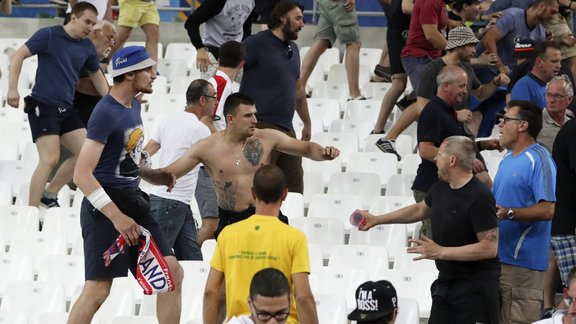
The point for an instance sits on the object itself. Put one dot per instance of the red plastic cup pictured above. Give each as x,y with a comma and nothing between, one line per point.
357,219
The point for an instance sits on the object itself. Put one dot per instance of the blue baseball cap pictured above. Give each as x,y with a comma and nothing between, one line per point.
130,59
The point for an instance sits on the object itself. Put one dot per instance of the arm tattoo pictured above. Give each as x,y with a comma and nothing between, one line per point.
253,151
226,192
490,235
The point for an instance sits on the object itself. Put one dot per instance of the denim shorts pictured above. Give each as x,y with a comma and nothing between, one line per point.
179,227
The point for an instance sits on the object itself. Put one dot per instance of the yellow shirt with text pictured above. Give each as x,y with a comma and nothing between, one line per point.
251,245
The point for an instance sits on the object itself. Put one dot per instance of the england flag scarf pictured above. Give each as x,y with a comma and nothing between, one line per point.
152,272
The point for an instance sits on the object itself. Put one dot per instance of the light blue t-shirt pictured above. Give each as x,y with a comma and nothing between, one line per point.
523,181
60,60
120,130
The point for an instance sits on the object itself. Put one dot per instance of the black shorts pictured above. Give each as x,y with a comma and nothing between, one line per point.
85,104
99,233
52,120
465,301
395,41
228,217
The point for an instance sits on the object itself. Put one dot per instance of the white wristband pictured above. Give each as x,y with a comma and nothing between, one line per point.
98,198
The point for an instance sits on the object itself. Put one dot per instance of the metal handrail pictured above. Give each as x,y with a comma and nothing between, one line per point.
308,12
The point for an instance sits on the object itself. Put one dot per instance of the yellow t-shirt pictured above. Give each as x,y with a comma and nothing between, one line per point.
251,245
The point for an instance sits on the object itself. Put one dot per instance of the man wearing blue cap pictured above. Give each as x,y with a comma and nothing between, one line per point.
108,174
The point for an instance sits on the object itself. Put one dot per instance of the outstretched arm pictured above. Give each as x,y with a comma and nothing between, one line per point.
187,162
406,215
311,150
485,248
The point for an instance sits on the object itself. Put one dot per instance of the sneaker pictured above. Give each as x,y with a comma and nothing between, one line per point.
388,146
49,202
548,312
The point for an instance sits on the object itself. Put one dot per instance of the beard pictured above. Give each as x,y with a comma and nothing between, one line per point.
289,34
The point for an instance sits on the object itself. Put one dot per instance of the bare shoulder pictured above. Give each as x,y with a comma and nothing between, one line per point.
266,132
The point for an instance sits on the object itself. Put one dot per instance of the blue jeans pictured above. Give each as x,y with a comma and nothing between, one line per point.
175,219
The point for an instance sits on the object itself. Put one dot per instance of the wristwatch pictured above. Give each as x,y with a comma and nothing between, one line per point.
510,214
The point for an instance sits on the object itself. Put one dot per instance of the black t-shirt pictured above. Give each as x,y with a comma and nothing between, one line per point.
437,121
457,216
564,154
397,20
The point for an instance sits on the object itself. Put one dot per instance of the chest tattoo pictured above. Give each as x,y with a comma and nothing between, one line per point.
253,151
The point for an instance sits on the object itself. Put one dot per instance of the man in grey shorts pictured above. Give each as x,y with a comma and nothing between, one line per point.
338,19
207,205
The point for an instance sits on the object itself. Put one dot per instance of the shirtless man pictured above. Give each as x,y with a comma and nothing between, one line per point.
233,155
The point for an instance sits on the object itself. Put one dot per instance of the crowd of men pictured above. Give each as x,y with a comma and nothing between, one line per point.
501,244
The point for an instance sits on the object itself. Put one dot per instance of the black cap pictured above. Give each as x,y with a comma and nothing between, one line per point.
374,301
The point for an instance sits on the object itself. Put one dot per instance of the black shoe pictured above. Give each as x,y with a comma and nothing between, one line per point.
388,146
404,103
379,133
49,202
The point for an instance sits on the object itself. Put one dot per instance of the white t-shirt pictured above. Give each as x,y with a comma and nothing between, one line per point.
555,319
223,86
242,319
175,135
100,5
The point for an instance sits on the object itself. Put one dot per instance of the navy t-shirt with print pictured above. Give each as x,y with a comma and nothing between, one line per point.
60,60
120,130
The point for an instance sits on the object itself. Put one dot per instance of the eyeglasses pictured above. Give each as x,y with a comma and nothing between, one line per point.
505,119
213,97
554,96
289,49
265,316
